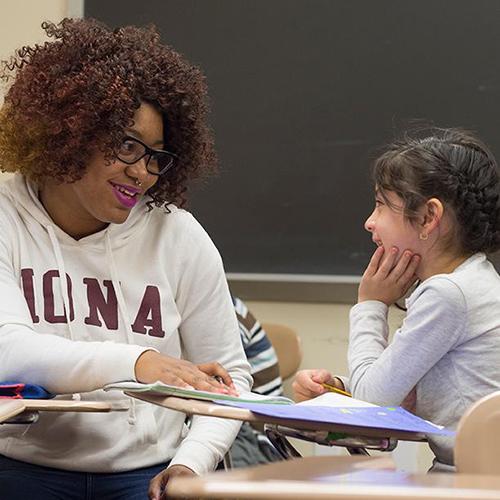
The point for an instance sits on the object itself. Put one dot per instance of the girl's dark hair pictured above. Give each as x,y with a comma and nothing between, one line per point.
81,90
454,166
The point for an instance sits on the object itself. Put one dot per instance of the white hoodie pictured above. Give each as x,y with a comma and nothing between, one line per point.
153,282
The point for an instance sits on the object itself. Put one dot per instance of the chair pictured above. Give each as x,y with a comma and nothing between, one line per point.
478,437
286,343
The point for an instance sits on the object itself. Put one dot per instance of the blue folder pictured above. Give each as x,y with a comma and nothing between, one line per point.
17,390
392,418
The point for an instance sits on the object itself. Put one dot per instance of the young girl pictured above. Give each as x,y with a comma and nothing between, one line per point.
102,277
437,210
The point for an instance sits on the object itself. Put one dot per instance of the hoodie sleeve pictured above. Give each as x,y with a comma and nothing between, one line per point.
209,332
384,373
56,363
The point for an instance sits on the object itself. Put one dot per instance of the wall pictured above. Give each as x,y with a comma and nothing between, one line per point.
20,25
20,22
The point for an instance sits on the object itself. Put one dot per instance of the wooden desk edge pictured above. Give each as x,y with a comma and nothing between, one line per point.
9,408
74,405
334,478
298,490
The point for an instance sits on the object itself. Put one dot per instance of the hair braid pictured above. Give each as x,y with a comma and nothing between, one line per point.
454,166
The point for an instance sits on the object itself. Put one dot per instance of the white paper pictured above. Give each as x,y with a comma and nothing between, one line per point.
335,400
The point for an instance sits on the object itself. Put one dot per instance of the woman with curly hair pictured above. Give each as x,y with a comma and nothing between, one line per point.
102,277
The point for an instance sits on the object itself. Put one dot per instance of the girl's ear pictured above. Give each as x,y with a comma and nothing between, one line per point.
432,213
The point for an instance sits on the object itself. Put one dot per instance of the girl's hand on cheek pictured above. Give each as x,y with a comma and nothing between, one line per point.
388,277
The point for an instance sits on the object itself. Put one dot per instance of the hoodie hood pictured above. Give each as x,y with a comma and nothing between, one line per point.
24,195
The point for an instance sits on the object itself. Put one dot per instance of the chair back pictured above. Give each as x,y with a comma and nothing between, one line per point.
286,343
478,437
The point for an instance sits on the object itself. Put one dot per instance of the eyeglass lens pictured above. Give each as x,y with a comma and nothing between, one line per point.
131,151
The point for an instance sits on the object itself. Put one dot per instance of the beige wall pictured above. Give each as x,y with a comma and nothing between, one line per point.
20,21
20,25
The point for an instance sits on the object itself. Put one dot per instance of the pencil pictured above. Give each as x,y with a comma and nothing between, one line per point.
332,388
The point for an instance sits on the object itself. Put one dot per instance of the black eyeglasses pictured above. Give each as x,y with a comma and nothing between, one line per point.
158,161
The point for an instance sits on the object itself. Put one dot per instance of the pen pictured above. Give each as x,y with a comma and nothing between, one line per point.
332,388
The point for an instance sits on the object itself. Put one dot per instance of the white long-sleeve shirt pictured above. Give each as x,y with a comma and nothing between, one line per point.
448,347
153,282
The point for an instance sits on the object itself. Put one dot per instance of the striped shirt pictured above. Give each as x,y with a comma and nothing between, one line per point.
260,353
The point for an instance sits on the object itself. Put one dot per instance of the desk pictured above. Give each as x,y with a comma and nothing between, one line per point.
336,478
196,407
16,408
278,428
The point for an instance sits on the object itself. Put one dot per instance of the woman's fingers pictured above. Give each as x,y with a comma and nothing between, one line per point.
152,366
203,382
157,485
218,371
211,384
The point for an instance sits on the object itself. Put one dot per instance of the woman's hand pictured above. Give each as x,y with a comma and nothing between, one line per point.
218,372
388,278
152,366
159,482
307,383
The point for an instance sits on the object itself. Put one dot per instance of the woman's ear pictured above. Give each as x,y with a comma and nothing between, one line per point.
432,213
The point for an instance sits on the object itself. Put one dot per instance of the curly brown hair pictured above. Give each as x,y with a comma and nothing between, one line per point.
80,91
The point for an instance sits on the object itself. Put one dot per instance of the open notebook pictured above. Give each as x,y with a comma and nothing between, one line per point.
159,388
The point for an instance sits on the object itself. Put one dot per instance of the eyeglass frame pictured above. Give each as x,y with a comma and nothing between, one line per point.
149,152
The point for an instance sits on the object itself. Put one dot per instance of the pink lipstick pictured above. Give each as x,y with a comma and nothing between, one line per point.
126,195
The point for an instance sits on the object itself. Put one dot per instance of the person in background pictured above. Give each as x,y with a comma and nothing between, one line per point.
251,445
104,277
437,213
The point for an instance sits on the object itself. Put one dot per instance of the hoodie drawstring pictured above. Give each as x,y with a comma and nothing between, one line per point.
64,288
122,309
63,278
63,284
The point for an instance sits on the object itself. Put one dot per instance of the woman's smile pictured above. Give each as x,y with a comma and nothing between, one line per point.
127,195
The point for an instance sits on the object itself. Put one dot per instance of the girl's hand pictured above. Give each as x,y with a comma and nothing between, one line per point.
307,383
388,278
158,484
152,366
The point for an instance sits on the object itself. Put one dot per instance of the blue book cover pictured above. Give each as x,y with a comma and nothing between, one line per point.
380,417
17,390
